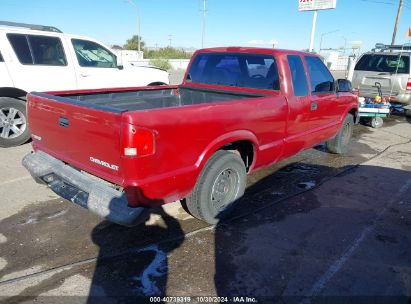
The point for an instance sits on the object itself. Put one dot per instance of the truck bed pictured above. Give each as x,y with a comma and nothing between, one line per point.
154,98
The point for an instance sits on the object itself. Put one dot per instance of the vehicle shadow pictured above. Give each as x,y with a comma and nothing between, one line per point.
280,250
132,263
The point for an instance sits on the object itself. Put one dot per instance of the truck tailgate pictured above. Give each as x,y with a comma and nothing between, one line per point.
84,135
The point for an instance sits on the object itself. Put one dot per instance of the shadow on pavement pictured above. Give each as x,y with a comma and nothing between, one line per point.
135,273
289,250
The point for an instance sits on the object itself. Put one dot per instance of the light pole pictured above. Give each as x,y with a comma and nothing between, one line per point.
204,11
138,24
345,44
324,34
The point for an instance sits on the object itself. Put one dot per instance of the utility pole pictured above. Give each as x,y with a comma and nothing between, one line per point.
170,38
397,19
204,11
138,24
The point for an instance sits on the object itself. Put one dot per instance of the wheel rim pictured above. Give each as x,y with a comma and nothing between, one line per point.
12,123
346,133
377,122
225,189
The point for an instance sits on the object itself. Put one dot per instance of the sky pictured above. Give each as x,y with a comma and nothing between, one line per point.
228,22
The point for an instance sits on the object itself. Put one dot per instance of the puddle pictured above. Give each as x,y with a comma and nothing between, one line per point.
306,185
156,269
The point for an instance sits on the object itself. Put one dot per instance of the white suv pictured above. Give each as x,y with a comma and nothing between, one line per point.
42,58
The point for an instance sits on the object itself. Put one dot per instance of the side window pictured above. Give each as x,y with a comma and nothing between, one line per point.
38,50
1,58
21,47
47,50
91,54
320,77
299,80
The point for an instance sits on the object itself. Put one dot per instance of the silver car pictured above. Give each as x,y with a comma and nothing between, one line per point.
389,70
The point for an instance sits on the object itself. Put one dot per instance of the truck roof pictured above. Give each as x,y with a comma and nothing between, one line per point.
242,49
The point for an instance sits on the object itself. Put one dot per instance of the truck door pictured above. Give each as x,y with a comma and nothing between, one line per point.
39,63
298,121
326,107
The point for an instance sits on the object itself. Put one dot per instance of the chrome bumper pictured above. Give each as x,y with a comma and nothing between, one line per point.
81,189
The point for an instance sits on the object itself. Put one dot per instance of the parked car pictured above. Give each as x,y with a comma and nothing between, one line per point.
117,151
388,66
42,58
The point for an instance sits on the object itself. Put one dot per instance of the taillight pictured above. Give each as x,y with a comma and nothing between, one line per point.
137,141
408,87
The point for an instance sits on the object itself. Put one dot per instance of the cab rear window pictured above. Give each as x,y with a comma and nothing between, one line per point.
384,63
257,71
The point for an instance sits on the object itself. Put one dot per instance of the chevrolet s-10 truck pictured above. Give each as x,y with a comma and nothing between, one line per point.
118,151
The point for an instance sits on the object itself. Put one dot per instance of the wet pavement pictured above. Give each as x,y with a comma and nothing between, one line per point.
314,225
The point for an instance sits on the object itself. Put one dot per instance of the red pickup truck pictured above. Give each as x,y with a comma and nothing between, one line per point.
118,151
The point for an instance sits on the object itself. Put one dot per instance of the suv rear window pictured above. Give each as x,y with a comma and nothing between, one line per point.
235,69
384,63
38,50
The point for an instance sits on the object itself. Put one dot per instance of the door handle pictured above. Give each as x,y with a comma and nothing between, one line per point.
84,75
314,106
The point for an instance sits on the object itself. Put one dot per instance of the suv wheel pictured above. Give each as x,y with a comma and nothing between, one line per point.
222,181
14,129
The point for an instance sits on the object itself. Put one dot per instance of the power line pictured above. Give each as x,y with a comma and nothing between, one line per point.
379,2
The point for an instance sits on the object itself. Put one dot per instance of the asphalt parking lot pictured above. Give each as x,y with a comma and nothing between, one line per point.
314,225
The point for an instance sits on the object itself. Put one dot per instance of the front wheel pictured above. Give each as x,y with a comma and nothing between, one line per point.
222,181
340,143
14,129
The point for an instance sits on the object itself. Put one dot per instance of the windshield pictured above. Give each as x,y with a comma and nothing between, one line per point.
384,63
235,69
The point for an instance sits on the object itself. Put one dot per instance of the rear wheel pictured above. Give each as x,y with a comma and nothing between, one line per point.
408,112
340,143
13,122
222,181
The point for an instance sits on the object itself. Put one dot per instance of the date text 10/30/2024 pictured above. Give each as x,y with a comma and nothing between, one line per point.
203,299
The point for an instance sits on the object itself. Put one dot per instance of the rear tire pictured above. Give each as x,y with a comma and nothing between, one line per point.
341,142
407,113
14,127
221,182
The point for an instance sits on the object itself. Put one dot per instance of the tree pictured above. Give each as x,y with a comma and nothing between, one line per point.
132,43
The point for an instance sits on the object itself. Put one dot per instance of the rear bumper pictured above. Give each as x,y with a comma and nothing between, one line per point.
81,189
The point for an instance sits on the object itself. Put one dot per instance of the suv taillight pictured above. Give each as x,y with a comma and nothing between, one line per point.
408,87
137,141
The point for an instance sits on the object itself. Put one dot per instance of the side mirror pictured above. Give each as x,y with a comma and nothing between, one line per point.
344,85
119,61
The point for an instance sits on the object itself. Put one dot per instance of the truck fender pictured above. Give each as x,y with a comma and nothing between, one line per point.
225,139
354,112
